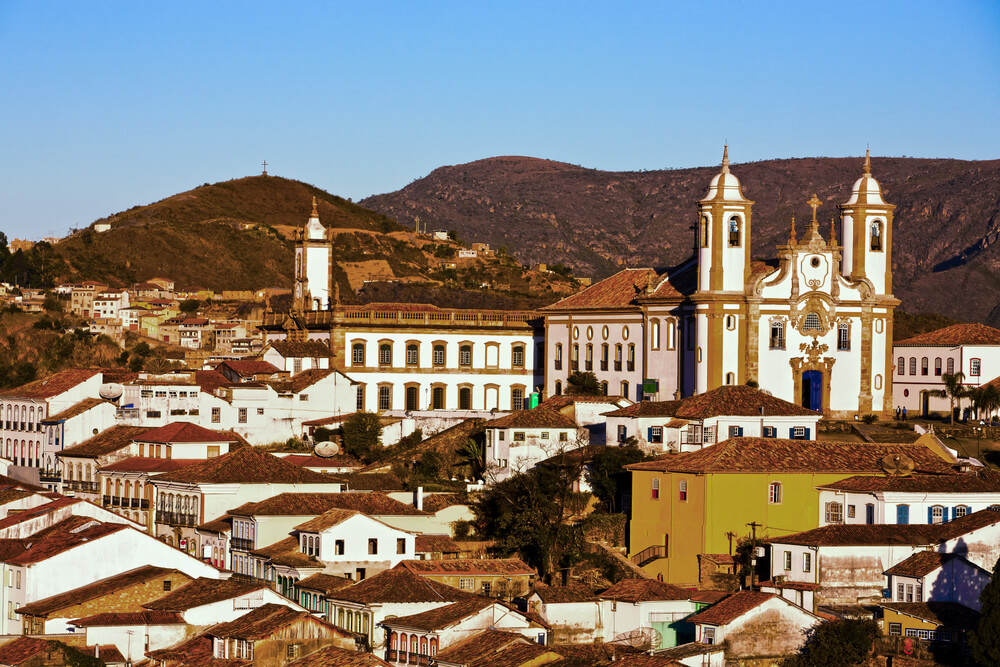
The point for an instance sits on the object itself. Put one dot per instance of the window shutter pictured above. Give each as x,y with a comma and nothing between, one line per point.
791,432
944,515
930,515
807,435
649,434
739,431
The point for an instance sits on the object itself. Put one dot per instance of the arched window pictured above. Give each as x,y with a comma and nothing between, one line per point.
937,366
937,514
412,354
558,388
913,365
423,646
734,231
730,322
358,354
777,335
604,356
558,359
834,513
589,360
961,510
385,354
654,335
682,491
774,493
438,357
951,367
923,366
624,388
901,366
604,388
704,231
464,398
631,357
465,355
618,357
574,360
730,378
876,235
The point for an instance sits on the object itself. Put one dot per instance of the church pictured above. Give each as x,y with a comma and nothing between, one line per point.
813,327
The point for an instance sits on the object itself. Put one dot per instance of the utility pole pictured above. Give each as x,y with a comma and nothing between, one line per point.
730,535
753,550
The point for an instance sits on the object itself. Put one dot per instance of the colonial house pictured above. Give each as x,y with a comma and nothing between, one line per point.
80,463
518,441
497,647
656,611
752,624
570,611
247,370
940,624
71,427
205,601
131,634
294,357
682,505
109,304
82,298
938,577
730,411
504,578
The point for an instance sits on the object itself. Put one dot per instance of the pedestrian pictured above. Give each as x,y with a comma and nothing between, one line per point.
904,413
897,413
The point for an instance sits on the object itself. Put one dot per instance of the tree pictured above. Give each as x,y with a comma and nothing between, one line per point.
845,643
954,390
189,305
361,433
606,473
985,639
473,454
581,383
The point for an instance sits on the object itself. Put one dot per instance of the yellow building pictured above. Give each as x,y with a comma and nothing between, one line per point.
702,502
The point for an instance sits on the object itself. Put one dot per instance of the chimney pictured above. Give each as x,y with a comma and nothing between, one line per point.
418,498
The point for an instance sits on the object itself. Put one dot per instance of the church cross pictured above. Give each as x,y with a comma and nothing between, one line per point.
265,167
815,203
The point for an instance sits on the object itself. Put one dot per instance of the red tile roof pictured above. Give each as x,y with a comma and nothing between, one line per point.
247,465
731,608
61,537
313,461
23,648
105,442
148,465
203,591
971,333
563,594
280,547
563,400
108,653
74,410
266,620
108,586
646,409
222,524
728,400
980,480
52,385
644,590
130,618
398,585
947,614
302,381
182,432
372,503
327,519
920,564
494,648
327,583
247,367
210,380
738,455
312,349
537,418
194,652
469,566
442,617
627,288
332,656
435,544
878,534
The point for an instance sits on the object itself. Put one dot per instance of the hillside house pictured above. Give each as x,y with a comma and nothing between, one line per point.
294,357
504,578
205,601
518,441
929,576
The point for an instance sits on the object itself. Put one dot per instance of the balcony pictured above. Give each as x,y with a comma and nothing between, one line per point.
631,366
50,477
78,485
176,519
558,364
404,658
618,365
588,365
649,554
604,365
241,543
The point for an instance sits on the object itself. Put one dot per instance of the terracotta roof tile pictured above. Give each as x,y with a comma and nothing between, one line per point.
878,534
280,547
435,502
331,656
195,652
326,583
435,544
61,537
95,590
537,418
948,614
202,591
52,385
920,564
778,455
311,349
731,608
303,380
372,503
131,618
106,442
184,432
222,524
971,333
399,585
442,617
250,367
617,291
74,410
980,480
644,590
210,380
327,519
647,409
563,594
108,653
474,566
22,648
246,465
313,461
482,644
148,465
266,620
738,400
633,660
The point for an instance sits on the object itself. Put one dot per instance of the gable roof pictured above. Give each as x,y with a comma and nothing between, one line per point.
971,333
473,566
949,614
979,480
131,618
302,381
23,648
883,534
105,442
148,464
563,594
536,418
372,503
625,289
745,454
327,583
333,656
492,647
442,617
52,385
246,465
424,543
727,400
327,519
63,536
399,585
644,590
731,608
246,367
203,591
181,432
264,621
923,563
312,348
74,410
95,590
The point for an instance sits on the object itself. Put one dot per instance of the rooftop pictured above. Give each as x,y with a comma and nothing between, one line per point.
62,536
435,544
537,418
264,621
399,585
979,480
442,617
727,400
484,566
74,410
971,333
312,349
372,503
331,656
246,465
644,590
202,591
148,465
563,594
879,534
731,608
181,432
327,583
947,614
920,564
302,381
626,288
95,590
131,618
51,386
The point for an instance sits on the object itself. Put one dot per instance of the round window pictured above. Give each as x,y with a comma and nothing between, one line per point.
590,333
906,392
815,262
576,332
625,333
606,332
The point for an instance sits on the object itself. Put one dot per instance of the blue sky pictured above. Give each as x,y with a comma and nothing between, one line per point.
110,104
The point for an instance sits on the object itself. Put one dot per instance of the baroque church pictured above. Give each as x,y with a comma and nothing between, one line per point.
813,327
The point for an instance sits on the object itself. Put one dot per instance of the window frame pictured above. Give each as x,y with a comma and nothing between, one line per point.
774,492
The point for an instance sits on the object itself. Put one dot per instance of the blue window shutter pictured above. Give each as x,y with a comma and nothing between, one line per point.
930,515
807,435
791,432
649,434
944,514
902,514
739,431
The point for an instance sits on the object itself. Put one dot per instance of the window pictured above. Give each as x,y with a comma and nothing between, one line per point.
372,545
153,414
166,585
486,588
260,411
437,398
851,511
296,366
544,435
618,357
338,547
834,513
558,388
961,510
465,584
937,514
807,562
708,635
558,359
588,364
401,545
895,629
564,437
464,398
385,354
788,561
923,366
843,336
518,436
777,336
574,359
216,415
901,366
465,355
876,235
918,594
412,395
517,356
412,354
604,357
631,356
812,321
774,493
656,488
937,366
438,356
683,491
951,367
734,232
654,335
384,398
359,403
624,388
708,435
913,365
243,416
902,514
622,433
704,231
974,367
656,434
517,398
770,431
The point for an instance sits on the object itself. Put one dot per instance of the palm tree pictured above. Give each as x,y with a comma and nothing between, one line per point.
990,400
954,390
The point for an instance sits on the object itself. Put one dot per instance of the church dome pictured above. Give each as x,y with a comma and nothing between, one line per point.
866,189
725,185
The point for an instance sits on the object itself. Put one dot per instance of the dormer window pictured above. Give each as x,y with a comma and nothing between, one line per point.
734,232
876,235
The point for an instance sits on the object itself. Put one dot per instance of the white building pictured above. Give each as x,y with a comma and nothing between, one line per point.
108,305
929,576
520,440
754,625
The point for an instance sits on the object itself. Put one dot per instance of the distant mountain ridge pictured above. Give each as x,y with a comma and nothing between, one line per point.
946,224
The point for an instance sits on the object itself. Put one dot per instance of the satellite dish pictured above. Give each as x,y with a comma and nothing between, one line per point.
641,638
897,464
111,391
326,449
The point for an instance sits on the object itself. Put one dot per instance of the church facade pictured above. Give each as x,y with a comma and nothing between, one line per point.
813,327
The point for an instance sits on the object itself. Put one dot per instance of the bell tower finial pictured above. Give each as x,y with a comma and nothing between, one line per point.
725,159
792,240
868,162
315,213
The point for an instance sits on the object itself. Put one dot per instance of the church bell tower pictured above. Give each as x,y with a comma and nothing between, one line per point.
313,265
867,232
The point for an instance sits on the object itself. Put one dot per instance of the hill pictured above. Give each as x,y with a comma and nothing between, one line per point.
947,220
238,235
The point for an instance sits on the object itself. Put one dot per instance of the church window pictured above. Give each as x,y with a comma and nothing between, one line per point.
604,388
625,388
385,354
618,357
974,367
517,398
574,362
734,232
384,397
358,354
704,231
843,336
923,366
730,378
359,404
654,335
878,382
604,357
777,335
589,361
876,235
834,513
465,398
937,366
671,335
631,356
438,356
812,321
951,367
412,354
558,359
465,355
913,365
437,398
558,388
730,322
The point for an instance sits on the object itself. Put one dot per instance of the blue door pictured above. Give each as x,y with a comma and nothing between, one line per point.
812,390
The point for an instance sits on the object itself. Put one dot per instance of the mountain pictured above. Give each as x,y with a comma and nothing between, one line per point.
945,233
238,235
